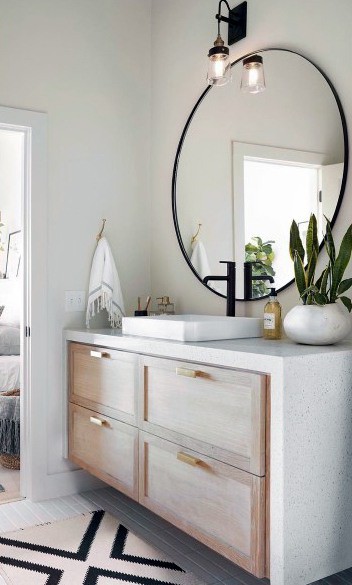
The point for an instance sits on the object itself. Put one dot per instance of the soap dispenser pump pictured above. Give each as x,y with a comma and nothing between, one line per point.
272,317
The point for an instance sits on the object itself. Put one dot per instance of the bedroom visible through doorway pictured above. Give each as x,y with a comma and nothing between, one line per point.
12,175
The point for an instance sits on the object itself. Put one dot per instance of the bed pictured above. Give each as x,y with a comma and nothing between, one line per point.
10,374
10,371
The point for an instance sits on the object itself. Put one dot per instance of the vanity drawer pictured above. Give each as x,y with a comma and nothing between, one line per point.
105,447
220,505
217,411
104,380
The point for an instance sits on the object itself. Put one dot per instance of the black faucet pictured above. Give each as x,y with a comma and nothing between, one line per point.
231,286
248,279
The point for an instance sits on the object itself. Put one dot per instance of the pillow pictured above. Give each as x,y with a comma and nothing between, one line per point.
9,340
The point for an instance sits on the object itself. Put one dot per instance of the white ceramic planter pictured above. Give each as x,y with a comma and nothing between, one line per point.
315,325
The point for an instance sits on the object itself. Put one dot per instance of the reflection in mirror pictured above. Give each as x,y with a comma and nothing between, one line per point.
272,186
250,164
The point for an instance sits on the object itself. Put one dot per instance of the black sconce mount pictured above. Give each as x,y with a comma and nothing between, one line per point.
237,21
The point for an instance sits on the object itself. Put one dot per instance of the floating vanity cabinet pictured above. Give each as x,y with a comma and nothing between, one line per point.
103,438
242,443
195,454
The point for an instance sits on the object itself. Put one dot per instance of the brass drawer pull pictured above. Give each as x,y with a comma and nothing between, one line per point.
188,459
99,354
186,372
97,421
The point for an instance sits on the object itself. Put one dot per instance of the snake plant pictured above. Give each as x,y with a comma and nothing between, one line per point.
330,285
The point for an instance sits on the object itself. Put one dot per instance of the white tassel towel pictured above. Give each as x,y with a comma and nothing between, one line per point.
200,260
104,286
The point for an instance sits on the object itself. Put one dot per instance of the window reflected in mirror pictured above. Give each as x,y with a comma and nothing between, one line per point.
272,186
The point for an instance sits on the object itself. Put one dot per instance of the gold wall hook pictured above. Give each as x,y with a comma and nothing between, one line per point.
195,237
101,231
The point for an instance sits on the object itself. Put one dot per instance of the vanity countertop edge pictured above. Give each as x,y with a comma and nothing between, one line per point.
254,353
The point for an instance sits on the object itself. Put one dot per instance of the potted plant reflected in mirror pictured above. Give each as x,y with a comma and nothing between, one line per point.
262,255
323,318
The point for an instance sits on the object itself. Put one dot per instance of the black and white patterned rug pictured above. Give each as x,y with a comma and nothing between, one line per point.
90,549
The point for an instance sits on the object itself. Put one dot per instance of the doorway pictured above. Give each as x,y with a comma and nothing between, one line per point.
11,322
23,298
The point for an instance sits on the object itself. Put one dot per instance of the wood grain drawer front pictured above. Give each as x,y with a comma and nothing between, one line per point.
105,380
105,447
218,504
217,411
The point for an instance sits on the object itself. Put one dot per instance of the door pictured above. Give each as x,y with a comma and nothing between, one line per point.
30,128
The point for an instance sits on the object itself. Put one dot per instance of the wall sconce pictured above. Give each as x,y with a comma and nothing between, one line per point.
253,80
219,67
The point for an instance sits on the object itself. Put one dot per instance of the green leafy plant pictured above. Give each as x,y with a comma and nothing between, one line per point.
262,255
330,285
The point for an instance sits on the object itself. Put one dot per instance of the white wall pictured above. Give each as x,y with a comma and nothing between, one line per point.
185,31
87,64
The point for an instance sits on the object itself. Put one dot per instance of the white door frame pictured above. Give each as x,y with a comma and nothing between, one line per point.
33,126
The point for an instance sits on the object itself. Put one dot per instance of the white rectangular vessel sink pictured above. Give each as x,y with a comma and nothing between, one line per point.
193,327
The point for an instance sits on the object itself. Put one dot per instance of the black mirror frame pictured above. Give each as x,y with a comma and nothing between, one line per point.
184,134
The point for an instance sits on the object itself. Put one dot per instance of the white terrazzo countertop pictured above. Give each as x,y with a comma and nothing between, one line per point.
311,441
204,349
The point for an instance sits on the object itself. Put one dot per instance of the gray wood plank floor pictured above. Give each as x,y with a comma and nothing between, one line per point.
184,550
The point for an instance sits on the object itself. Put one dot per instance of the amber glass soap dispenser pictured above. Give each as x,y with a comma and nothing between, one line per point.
272,317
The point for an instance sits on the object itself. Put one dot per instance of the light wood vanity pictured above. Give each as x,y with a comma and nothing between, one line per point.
244,444
186,440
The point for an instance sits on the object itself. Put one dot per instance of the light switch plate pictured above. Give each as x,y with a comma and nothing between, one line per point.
75,300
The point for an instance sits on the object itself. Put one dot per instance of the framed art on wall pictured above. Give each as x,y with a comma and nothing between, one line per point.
13,259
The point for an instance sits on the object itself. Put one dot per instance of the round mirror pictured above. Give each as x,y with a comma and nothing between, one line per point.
247,164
